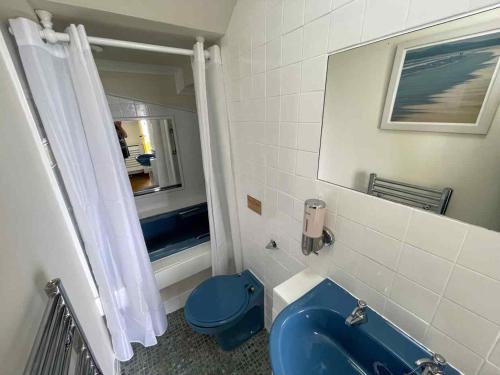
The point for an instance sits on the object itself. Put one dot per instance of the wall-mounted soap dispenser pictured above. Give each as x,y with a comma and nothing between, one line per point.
314,234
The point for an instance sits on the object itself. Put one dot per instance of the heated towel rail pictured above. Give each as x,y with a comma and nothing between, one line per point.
60,346
435,200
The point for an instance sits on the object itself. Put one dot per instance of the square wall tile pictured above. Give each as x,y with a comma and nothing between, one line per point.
273,83
271,156
349,232
289,108
259,85
353,205
424,11
489,369
387,217
259,25
329,193
271,133
485,243
346,25
258,109
259,59
467,328
316,37
381,248
292,47
285,204
311,107
273,109
298,210
286,159
127,109
405,320
316,8
424,268
475,292
436,234
458,355
413,297
345,258
293,14
285,182
307,164
314,74
245,64
288,134
274,19
304,188
384,17
309,136
246,88
374,299
273,54
374,275
290,79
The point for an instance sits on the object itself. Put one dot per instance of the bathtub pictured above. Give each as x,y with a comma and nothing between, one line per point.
174,231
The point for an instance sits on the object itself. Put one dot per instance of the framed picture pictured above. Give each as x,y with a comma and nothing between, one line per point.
444,85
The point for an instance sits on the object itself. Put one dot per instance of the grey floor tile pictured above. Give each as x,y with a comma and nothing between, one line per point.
181,351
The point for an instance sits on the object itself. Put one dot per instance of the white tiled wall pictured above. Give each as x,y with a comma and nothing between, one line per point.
436,278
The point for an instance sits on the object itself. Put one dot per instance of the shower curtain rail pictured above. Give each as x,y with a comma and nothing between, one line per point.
54,37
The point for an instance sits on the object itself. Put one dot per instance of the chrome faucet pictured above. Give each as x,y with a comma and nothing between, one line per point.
432,366
358,315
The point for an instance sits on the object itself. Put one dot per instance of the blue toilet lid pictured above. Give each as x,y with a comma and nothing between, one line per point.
216,300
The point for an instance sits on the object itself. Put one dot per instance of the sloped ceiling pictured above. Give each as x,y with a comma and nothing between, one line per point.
173,23
149,21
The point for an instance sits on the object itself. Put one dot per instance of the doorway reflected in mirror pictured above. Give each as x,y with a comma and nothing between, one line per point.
150,152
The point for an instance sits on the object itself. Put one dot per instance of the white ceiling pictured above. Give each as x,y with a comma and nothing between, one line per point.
165,22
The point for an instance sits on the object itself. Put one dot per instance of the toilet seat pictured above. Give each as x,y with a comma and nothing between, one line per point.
217,301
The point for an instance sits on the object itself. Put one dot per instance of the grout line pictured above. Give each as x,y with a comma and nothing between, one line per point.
442,294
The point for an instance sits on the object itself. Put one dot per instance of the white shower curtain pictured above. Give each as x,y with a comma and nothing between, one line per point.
219,180
72,105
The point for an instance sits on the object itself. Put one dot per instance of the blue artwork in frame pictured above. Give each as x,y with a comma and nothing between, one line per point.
445,86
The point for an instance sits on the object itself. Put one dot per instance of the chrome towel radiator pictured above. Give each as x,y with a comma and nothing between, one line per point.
60,346
435,200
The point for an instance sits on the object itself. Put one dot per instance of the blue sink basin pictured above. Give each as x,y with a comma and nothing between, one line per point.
310,337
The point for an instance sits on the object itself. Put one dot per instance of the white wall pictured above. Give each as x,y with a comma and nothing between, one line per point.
186,124
274,55
38,239
184,15
149,88
353,139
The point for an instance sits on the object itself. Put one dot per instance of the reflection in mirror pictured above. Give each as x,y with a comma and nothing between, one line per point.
150,152
414,119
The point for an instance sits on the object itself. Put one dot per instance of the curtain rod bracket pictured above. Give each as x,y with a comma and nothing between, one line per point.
45,18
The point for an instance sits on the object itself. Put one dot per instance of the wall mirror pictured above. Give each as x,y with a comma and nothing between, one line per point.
149,149
414,119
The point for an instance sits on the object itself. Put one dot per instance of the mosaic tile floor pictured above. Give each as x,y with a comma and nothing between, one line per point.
181,351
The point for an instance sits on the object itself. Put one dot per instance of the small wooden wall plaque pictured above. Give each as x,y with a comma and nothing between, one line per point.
254,204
